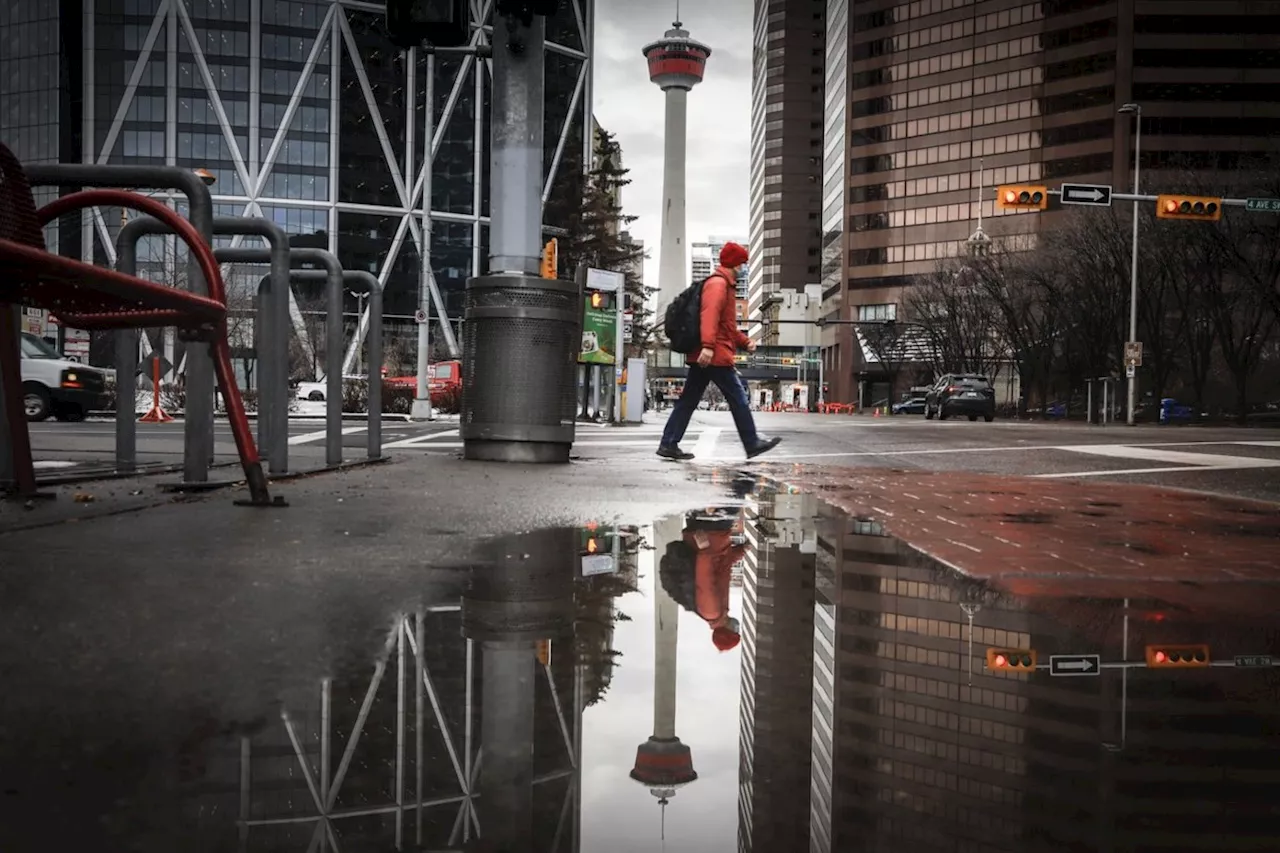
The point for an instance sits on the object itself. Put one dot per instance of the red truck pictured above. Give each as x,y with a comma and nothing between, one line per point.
444,380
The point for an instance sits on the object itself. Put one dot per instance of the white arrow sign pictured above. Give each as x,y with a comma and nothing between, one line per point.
1075,664
1092,194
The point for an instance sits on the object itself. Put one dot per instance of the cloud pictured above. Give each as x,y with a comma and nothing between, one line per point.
719,120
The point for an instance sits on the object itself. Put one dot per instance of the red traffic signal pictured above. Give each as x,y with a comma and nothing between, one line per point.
1022,198
1201,208
1177,657
1011,660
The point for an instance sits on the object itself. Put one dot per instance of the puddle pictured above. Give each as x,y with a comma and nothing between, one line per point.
767,675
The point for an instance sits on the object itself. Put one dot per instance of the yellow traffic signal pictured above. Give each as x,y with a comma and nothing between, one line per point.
1022,198
1011,660
551,259
1177,657
1202,208
544,652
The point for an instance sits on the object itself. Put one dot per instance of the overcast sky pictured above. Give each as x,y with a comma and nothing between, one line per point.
629,106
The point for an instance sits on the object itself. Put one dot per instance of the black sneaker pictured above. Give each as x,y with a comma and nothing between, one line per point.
762,445
673,451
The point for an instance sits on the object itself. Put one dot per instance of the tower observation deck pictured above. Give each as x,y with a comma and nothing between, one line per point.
676,61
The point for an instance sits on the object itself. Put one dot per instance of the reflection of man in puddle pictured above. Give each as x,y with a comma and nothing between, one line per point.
696,569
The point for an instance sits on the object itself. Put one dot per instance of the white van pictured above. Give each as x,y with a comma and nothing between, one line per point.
52,385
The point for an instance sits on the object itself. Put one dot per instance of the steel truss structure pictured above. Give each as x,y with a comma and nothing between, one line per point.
423,712
180,32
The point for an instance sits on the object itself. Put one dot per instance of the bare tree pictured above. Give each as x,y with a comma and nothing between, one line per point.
310,362
958,317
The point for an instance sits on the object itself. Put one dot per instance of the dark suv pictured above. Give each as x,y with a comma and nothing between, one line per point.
961,394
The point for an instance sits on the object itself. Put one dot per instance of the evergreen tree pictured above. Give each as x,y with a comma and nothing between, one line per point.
597,235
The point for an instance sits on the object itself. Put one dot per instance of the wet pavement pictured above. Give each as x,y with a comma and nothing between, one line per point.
775,674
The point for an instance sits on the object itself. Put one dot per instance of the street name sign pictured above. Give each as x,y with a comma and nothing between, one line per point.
1262,205
1255,660
1075,664
1091,194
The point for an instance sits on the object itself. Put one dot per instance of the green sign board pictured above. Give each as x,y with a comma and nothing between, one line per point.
1262,205
599,334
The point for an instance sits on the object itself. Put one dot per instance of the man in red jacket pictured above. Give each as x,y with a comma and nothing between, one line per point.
721,339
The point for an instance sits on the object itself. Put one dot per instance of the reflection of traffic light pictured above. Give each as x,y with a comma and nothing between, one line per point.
442,23
597,540
601,300
551,259
1201,208
1177,657
1011,660
1022,198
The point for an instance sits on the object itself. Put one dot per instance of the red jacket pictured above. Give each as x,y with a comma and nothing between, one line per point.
713,568
720,332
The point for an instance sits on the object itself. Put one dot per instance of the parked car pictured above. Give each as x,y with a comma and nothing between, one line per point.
912,406
52,385
961,394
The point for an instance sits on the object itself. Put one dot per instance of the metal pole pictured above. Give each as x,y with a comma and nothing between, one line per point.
516,155
332,349
126,362
422,399
619,357
1089,411
1133,274
8,470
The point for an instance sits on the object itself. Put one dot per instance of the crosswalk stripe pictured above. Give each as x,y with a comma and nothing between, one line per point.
420,440
1172,457
319,435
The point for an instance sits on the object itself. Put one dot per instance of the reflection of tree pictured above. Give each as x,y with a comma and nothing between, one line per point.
596,614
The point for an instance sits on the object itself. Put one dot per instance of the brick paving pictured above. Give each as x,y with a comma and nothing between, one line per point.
1033,535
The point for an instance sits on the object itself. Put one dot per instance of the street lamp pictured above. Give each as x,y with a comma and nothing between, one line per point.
1134,110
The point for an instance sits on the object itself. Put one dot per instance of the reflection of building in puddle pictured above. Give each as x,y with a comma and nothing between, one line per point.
910,751
467,725
777,619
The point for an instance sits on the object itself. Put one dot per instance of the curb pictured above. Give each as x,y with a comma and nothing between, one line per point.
253,416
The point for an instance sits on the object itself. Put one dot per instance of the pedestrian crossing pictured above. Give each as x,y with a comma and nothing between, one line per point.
701,440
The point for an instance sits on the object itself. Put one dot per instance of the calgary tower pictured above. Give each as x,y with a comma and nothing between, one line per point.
676,64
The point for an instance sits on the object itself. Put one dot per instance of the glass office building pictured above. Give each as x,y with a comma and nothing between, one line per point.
302,109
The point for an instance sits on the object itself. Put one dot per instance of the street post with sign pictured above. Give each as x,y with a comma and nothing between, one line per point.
605,334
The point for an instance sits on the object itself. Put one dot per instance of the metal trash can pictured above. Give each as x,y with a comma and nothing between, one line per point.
519,368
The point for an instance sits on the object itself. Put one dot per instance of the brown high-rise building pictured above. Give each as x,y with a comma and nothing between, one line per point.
929,100
787,88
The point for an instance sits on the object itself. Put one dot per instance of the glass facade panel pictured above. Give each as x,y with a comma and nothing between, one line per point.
225,101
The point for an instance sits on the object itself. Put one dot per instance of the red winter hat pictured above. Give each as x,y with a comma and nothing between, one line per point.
733,255
725,639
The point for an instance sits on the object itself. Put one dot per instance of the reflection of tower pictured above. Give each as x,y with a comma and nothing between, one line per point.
676,65
663,763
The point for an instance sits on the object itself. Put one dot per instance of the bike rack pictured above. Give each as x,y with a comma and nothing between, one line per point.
198,420
373,342
91,297
273,308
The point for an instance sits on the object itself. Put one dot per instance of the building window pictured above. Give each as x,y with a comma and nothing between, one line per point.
877,313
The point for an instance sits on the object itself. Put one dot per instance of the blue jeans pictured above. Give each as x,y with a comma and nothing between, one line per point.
735,393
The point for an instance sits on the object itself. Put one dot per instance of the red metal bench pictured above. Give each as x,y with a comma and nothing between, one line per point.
85,296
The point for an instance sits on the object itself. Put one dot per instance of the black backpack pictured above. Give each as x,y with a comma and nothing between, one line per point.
683,322
677,574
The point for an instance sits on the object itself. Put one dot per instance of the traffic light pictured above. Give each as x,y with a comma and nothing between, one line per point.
1011,660
1201,208
544,652
1177,657
1022,198
440,23
601,300
551,259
